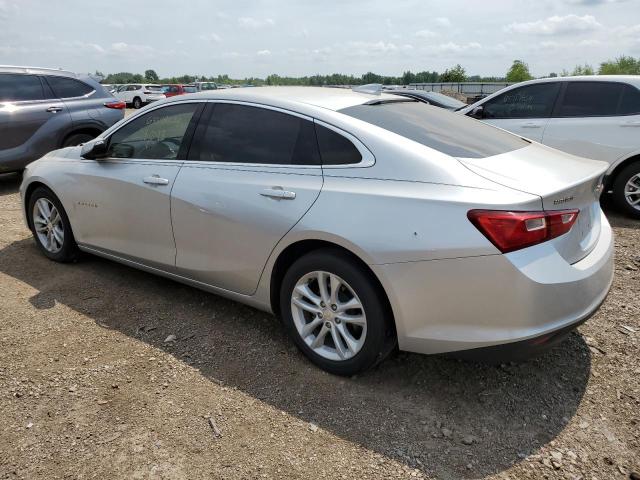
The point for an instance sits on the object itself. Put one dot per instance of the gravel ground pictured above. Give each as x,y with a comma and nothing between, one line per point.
108,372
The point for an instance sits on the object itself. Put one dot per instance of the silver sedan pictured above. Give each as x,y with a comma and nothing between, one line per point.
365,221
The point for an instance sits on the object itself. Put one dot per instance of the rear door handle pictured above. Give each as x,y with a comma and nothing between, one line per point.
632,123
54,109
155,180
531,125
278,193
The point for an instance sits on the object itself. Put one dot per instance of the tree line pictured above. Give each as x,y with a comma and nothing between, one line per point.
519,72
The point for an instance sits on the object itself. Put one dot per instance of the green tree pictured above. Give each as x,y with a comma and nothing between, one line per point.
583,70
623,65
371,77
151,75
455,74
519,72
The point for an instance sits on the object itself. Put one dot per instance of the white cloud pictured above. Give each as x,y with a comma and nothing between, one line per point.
123,23
556,25
367,48
263,53
628,31
250,22
452,47
210,37
593,2
425,34
443,22
122,48
7,8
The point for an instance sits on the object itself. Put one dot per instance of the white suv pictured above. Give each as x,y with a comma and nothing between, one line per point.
591,116
139,95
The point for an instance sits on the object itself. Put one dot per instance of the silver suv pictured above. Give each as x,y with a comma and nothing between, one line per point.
43,109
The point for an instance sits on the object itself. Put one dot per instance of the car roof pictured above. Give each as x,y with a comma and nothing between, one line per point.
322,97
37,71
633,79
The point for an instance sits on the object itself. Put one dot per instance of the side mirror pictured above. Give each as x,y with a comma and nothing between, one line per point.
94,150
477,112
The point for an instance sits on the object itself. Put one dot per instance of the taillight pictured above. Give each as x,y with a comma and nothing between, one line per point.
116,104
510,231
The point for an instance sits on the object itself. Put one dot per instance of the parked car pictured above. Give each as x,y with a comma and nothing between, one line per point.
43,109
138,95
432,98
171,90
363,221
593,117
205,86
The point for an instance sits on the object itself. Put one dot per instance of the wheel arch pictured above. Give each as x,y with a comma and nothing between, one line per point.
611,177
28,191
299,248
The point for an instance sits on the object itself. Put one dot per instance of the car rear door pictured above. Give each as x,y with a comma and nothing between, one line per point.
29,120
595,119
251,174
121,204
524,111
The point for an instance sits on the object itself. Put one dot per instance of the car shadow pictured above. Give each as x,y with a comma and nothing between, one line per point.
449,418
9,183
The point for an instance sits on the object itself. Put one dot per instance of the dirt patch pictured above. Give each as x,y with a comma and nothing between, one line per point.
92,385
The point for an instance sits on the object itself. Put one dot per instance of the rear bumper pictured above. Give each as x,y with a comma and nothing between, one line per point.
469,303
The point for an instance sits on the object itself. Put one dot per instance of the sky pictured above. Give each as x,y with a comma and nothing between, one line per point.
254,38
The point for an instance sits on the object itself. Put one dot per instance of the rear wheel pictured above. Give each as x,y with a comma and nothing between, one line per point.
626,190
335,313
77,139
137,103
50,226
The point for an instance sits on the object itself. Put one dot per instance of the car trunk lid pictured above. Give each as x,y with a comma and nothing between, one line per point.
562,181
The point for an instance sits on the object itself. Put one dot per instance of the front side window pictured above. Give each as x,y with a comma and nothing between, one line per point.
630,102
156,135
530,101
64,87
590,99
17,88
245,134
450,133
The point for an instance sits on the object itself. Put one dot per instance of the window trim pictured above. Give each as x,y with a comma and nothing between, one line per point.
45,78
189,132
367,159
559,94
560,99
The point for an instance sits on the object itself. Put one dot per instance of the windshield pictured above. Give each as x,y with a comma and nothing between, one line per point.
190,89
444,100
208,86
450,133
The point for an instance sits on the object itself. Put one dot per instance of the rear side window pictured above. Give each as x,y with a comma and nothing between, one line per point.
68,87
630,103
590,99
244,134
530,101
335,149
447,132
16,88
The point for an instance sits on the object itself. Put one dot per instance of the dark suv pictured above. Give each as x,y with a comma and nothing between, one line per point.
43,110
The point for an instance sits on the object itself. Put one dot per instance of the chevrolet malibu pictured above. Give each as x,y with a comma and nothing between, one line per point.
365,221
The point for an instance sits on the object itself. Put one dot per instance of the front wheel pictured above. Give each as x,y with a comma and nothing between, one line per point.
137,103
335,313
626,190
50,226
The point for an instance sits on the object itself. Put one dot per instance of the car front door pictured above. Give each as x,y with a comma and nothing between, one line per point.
251,174
25,110
122,203
524,111
599,120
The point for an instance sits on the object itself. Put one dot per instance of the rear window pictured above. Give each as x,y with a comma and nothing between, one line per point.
16,88
450,133
68,87
190,89
630,103
590,99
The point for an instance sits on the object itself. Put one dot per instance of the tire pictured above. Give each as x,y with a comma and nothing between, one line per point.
375,340
67,249
622,187
137,103
77,139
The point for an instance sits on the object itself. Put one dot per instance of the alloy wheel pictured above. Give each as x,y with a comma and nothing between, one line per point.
328,315
48,225
632,191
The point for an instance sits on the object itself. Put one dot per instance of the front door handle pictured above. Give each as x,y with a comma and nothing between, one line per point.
531,125
54,109
155,180
278,193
